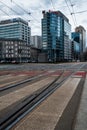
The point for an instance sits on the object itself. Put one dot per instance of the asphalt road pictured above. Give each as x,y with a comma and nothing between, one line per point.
37,66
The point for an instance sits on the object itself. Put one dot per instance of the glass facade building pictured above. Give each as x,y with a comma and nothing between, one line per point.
56,36
82,31
36,41
75,50
77,37
15,28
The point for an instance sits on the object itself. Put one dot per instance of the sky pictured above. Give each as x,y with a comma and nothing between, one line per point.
31,11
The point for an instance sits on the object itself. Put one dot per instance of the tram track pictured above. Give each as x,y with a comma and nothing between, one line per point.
23,82
25,105
30,102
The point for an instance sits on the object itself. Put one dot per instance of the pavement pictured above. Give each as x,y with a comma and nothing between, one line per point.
81,119
57,111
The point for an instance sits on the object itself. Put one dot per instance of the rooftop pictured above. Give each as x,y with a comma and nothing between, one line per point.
12,21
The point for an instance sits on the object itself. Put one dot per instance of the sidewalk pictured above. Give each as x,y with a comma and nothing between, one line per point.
57,111
81,120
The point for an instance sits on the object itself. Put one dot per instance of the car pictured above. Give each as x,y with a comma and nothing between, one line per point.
13,61
2,61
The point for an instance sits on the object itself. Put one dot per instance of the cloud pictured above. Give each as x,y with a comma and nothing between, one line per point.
84,21
36,7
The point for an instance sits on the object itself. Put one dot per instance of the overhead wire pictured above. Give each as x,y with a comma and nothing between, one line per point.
29,13
83,11
5,13
73,13
82,1
10,8
13,10
52,4
70,12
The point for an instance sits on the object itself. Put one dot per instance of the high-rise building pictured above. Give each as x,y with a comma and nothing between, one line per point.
76,36
56,36
36,41
82,31
76,42
15,28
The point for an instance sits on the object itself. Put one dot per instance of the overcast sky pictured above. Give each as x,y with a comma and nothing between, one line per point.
10,9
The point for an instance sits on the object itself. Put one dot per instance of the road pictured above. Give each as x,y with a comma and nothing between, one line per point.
11,74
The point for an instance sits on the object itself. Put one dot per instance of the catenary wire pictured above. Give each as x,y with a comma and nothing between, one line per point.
52,4
12,10
83,11
5,13
73,11
29,13
70,12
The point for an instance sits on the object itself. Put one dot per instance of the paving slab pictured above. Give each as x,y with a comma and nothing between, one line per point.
81,119
48,115
10,98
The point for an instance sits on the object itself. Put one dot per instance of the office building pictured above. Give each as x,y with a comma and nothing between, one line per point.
75,51
13,50
76,48
15,28
36,41
56,36
76,36
34,54
82,31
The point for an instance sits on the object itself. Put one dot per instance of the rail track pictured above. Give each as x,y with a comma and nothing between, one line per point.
14,84
26,105
13,78
28,80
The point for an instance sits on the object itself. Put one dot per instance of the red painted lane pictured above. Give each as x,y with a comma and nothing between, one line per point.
67,73
2,73
27,73
80,73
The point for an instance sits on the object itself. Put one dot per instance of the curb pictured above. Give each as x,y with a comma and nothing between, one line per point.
66,121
